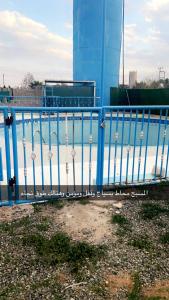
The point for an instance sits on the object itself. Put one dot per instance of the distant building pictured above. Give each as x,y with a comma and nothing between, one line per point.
132,79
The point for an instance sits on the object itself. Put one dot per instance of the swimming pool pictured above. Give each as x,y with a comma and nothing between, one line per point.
138,131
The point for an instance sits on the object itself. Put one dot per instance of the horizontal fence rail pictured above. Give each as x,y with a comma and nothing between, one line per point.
50,152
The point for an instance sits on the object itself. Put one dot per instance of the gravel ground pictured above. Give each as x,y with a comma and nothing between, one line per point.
134,263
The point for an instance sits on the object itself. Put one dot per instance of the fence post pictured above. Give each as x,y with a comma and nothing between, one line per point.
100,150
15,154
8,156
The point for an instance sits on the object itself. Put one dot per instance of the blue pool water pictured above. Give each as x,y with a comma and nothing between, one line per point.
129,130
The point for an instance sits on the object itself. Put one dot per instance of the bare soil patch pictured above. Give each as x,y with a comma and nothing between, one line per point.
89,222
159,289
16,212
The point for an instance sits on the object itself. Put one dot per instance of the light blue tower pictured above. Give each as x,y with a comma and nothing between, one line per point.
97,38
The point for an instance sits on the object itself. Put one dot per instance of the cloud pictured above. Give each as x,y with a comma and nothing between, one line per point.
69,26
27,45
156,5
146,40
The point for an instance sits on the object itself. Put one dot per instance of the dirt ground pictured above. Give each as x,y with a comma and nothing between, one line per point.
135,263
89,222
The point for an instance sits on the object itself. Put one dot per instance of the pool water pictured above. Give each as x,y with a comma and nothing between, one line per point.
130,131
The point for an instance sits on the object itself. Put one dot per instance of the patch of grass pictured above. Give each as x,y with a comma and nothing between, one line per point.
84,201
11,227
5,227
42,226
135,294
150,210
61,249
141,242
59,204
121,233
120,220
9,291
37,207
23,222
33,240
81,252
124,225
160,224
7,258
99,289
164,239
51,284
16,291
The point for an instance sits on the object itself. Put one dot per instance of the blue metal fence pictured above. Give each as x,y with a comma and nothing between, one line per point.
51,152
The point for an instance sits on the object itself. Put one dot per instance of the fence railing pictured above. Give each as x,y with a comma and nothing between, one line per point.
51,152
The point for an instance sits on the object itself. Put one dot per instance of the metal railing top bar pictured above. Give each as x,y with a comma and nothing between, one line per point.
2,108
83,109
74,97
55,109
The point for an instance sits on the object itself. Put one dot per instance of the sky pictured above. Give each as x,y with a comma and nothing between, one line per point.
36,37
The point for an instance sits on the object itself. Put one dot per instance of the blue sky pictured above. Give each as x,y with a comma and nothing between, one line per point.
36,37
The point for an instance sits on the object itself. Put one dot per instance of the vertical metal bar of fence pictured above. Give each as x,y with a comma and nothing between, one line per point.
163,146
82,133
166,169
158,142
141,144
128,147
33,155
1,174
8,157
58,152
100,152
15,155
41,152
110,144
146,149
45,102
135,142
50,152
90,149
24,153
122,146
73,152
67,144
116,144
